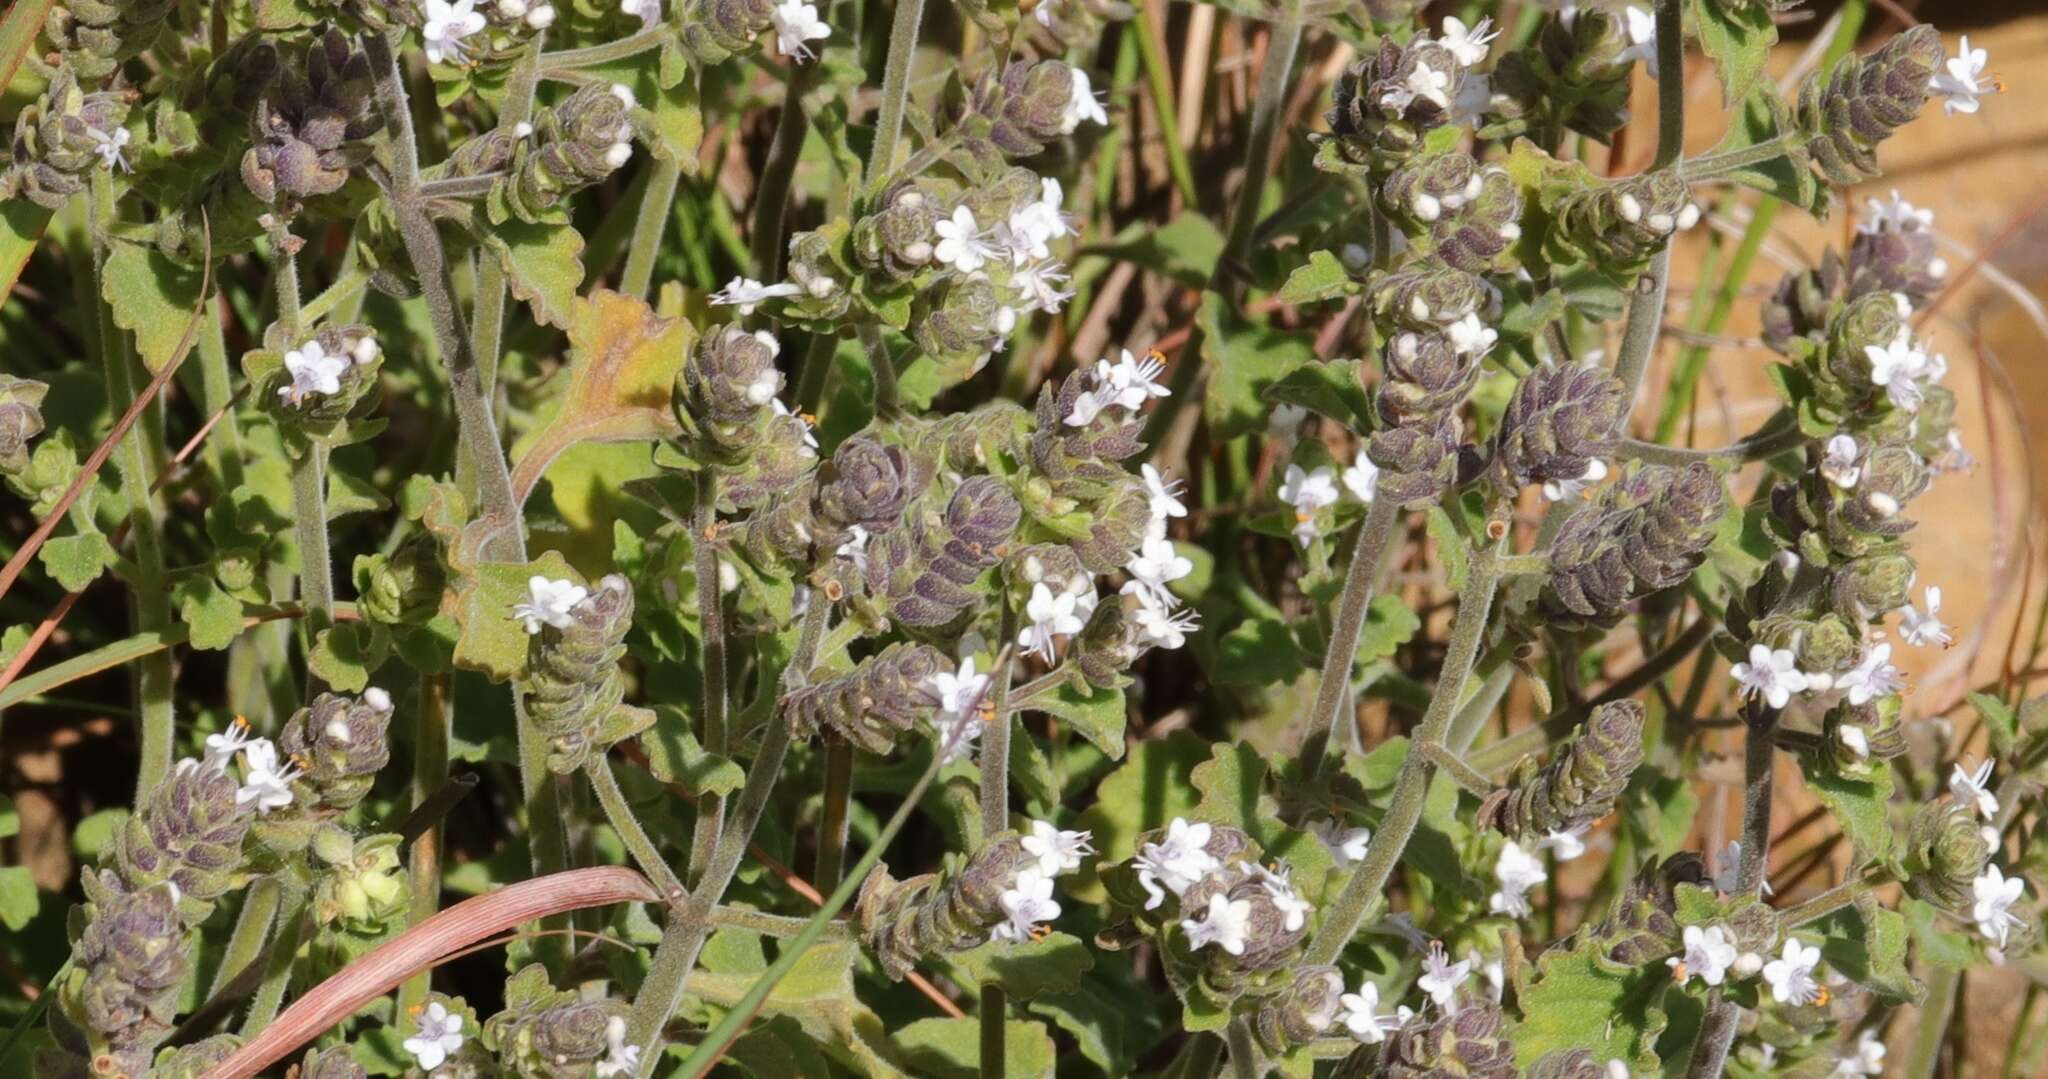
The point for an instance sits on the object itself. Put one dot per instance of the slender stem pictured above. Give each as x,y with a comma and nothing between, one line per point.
1245,1060
1275,83
1714,166
252,928
1717,1033
1645,319
883,367
149,599
771,194
994,1010
895,90
1670,85
282,250
460,187
810,385
1830,901
1158,78
832,827
563,61
1780,433
1496,675
345,287
284,952
775,925
1359,582
1342,918
309,528
1923,1060
711,631
625,822
492,293
655,204
995,742
431,730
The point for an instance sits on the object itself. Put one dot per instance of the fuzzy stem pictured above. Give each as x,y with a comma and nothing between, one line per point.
284,951
883,367
431,731
252,928
623,820
287,284
1359,582
771,195
563,61
1717,1033
810,384
1777,435
711,630
309,529
1245,1060
993,1011
346,287
492,293
995,742
1923,1060
655,203
1834,899
1714,166
1670,85
1343,917
832,826
895,91
775,925
1274,86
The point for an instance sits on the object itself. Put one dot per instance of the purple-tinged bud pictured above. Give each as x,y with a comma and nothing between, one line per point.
1560,420
573,685
572,147
1580,785
21,420
715,30
902,922
1383,105
1301,1012
1027,107
1844,114
898,239
1623,223
1470,1041
1425,296
309,127
59,140
1416,463
342,743
924,572
868,484
1945,853
546,1032
1574,76
332,1063
1426,379
882,697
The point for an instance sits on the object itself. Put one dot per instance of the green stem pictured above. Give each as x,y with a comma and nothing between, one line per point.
1923,1060
775,925
832,826
712,734
309,528
345,287
1245,1060
1334,683
883,367
655,204
895,91
993,1012
287,284
252,928
1717,1032
1670,85
1159,80
625,822
995,742
1343,917
284,952
1275,83
1708,167
431,730
1830,901
1645,319
563,61
771,194
1778,434
810,384
492,293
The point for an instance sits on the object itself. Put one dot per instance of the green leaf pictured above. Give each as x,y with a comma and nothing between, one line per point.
152,295
1331,388
1055,963
1097,713
1378,769
1322,278
818,994
1258,651
543,266
1450,548
214,616
1185,250
21,221
344,654
779,1049
490,639
77,560
1242,360
1738,37
18,897
348,492
1940,943
951,1048
10,818
96,831
1761,118
1999,719
1389,624
675,756
1858,804
1150,788
1232,783
1577,1001
1867,944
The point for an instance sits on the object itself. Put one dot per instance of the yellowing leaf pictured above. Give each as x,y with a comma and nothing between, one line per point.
621,372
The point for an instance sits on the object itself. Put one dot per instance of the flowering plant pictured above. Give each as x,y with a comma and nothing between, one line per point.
792,560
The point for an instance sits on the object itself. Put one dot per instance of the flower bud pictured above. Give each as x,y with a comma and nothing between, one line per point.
1581,783
58,139
723,393
1559,421
868,484
309,409
545,1033
1425,296
195,1061
815,265
308,129
331,1063
1105,648
1573,76
1117,526
1383,104
1301,1012
880,698
342,743
1082,462
1860,737
1027,108
1845,113
1623,223
1802,305
571,149
93,37
1567,1064
1470,1041
956,323
1427,186
574,688
1867,321
714,30
1897,256
897,240
403,588
1643,534
188,836
1945,854
21,420
902,922
361,885
127,969
1426,379
1416,463
924,572
1875,583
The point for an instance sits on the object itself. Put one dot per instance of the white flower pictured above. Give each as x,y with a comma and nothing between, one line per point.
1156,565
1922,629
541,17
1051,616
1469,336
1899,368
548,602
795,23
1567,845
956,734
1469,46
1995,894
1426,83
108,144
221,748
1360,1014
1131,382
1873,676
1308,492
1346,845
1039,283
1362,478
1642,36
1045,12
440,1033
1081,104
1163,628
1223,925
1974,789
959,691
1163,493
1056,851
747,293
312,371
1617,1069
1517,871
1957,83
1865,1058
1559,490
1838,461
1026,903
962,244
1441,977
266,782
1854,739
1175,863
1284,424
648,11
1772,674
1292,907
1895,214
810,436
855,549
1954,458
446,25
623,1061
1708,955
1086,407
1791,975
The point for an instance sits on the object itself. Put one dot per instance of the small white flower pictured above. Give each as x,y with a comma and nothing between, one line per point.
108,146
439,1035
1559,490
1873,676
1924,628
1772,674
1362,478
1026,903
312,371
1974,789
1424,83
810,436
446,25
647,11
1567,845
1899,367
855,549
962,245
1471,337
542,17
221,748
1469,46
623,1061
1156,565
795,23
1346,845
1292,907
1617,1069
1838,461
1360,1014
1086,407
1642,36
1284,425
1995,894
1163,493
1224,925
1039,284
960,691
956,734
1866,1057
1163,628
1791,975
748,294
1175,863
1308,492
1081,104
1050,616
1708,955
1057,851
1517,871
266,782
1130,382
1441,977
548,602
1894,215
1957,83
1855,740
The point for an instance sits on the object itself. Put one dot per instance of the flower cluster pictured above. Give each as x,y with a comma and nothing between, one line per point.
1003,892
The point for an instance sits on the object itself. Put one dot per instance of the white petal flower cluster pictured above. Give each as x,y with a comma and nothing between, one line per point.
1309,493
1028,903
549,602
267,777
313,370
